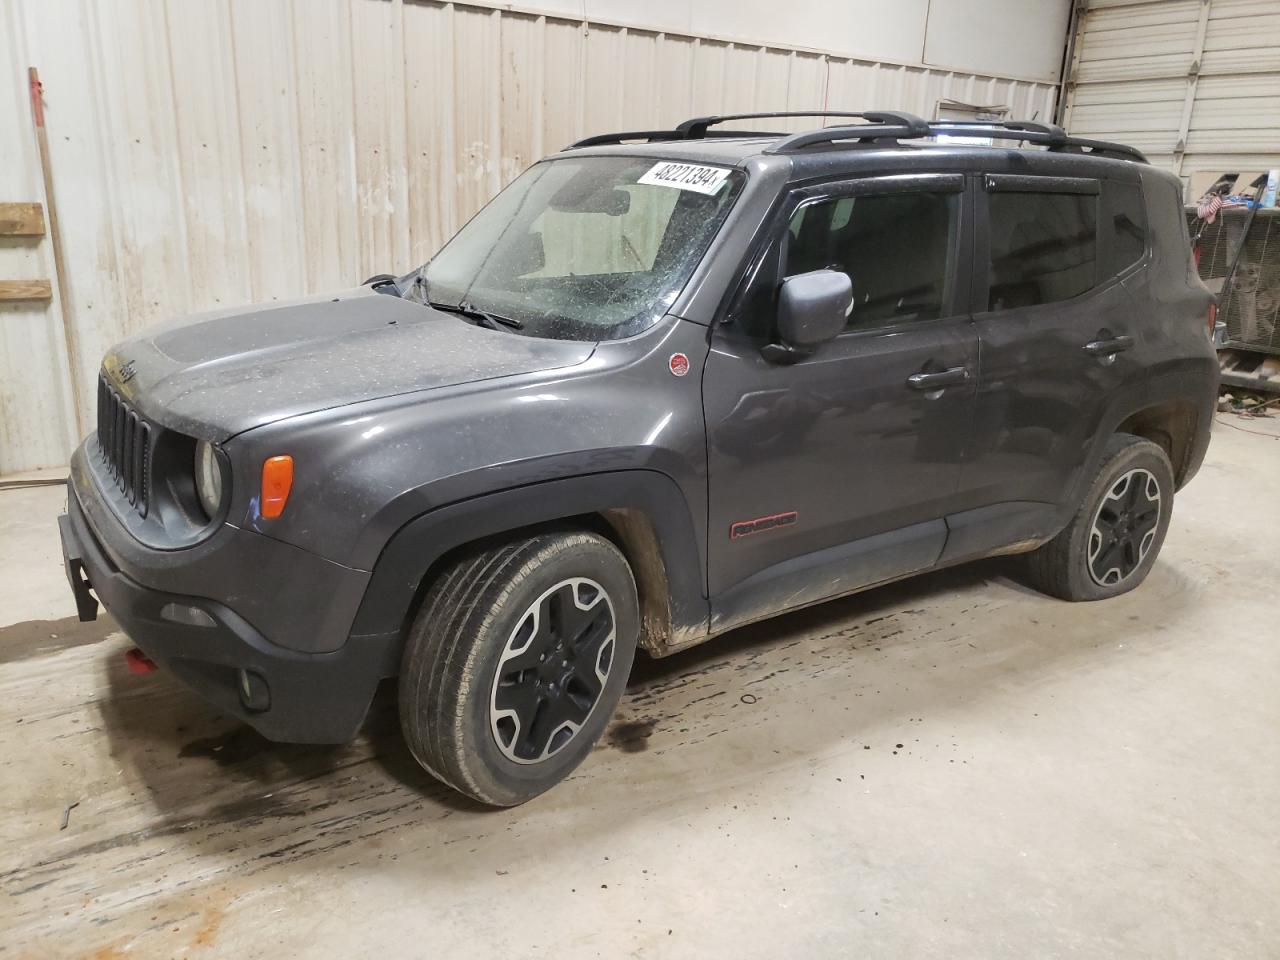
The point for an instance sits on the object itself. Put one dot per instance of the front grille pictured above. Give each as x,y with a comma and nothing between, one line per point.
125,441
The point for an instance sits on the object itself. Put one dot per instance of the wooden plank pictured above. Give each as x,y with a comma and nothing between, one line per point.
26,290
21,220
55,241
1261,384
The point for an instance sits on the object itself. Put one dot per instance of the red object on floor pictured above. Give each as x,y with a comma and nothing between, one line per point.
139,662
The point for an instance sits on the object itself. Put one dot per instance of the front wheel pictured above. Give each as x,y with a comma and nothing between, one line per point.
1112,542
515,662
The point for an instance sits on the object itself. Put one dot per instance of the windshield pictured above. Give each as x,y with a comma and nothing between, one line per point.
585,248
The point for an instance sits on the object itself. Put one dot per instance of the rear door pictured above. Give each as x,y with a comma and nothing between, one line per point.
1057,332
836,471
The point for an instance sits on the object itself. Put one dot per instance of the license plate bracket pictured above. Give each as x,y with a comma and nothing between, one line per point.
73,563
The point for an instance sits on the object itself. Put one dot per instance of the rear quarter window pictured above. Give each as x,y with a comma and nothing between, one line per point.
1124,227
1167,229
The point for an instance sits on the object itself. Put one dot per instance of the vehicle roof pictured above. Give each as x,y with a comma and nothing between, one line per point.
834,159
884,139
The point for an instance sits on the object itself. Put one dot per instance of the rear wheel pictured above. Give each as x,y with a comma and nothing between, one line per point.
1111,543
516,661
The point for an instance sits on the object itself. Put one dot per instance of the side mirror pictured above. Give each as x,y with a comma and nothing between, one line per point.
812,309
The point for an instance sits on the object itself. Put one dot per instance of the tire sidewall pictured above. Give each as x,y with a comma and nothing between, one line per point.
490,772
1141,454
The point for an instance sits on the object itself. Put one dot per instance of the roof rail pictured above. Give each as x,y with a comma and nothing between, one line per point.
1028,131
604,139
880,125
890,128
1051,135
660,136
1052,130
697,127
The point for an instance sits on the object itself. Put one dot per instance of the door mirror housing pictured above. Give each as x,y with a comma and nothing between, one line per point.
812,309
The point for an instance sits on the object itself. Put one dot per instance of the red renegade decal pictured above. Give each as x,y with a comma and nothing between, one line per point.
744,528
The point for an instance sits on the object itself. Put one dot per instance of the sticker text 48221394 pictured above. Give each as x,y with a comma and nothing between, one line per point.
685,176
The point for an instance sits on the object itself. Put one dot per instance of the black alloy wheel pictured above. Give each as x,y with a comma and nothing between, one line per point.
551,673
1112,540
1124,527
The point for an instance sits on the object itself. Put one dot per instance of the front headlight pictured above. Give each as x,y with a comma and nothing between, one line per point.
208,479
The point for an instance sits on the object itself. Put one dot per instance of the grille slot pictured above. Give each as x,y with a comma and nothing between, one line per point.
124,439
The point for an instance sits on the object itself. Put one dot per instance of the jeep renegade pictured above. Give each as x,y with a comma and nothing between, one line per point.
665,384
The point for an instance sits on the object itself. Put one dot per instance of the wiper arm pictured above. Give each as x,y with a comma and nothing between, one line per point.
417,288
481,318
384,283
413,283
495,321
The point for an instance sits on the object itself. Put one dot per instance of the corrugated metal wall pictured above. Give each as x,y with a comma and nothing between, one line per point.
218,153
1193,83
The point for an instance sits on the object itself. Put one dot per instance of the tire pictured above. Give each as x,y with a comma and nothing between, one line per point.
504,736
1112,541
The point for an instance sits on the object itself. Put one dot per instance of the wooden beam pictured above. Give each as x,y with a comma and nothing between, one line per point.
21,220
55,241
26,290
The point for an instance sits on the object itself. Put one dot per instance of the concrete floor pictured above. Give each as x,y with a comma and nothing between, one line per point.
949,767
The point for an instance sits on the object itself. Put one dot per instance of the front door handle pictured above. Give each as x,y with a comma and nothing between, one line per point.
928,382
1108,347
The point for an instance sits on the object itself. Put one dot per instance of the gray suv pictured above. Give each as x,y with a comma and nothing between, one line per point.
665,384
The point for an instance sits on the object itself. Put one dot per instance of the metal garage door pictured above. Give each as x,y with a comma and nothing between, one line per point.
1193,83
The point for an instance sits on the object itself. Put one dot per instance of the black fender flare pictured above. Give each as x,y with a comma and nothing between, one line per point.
1192,385
617,497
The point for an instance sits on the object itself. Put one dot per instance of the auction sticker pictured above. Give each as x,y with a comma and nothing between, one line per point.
685,176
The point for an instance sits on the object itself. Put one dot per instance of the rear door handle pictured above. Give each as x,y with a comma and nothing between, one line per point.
1108,347
928,382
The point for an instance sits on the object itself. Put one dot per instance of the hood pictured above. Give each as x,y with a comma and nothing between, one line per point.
214,375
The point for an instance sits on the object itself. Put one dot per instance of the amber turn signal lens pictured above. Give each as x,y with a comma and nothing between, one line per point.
277,479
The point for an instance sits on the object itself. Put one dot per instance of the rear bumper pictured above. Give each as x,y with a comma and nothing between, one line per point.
311,697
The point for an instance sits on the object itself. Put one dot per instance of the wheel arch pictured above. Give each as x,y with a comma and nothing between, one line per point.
1173,409
1171,425
633,533
642,512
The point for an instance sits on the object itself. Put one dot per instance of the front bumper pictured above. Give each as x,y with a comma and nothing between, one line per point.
312,697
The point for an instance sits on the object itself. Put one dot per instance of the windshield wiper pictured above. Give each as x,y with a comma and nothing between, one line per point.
384,283
411,283
481,318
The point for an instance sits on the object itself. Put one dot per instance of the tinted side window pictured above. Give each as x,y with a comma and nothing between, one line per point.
1044,247
1125,227
896,248
1170,244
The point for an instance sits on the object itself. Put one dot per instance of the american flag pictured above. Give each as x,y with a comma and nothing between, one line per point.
1208,207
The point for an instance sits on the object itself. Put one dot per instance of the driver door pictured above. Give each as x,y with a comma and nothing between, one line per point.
835,471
